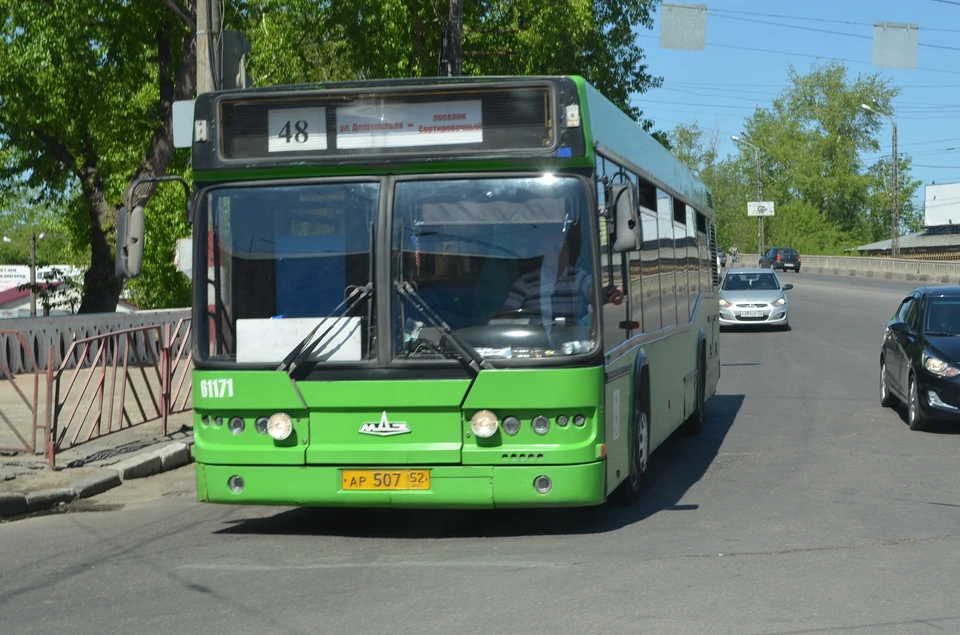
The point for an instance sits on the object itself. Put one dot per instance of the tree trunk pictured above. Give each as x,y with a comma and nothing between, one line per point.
102,288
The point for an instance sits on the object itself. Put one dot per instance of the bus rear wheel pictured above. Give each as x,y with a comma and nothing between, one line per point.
637,481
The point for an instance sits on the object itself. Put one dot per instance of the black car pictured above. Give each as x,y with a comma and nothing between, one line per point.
920,359
781,258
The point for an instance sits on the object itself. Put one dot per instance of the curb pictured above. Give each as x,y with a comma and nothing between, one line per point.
163,459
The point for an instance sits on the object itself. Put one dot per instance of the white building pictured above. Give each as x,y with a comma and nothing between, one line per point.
941,205
15,303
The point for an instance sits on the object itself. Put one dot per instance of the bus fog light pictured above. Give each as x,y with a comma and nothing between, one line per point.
235,483
511,425
563,420
579,420
542,484
540,425
236,425
262,425
484,424
280,426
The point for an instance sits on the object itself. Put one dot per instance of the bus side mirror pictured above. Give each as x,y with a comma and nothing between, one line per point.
626,231
129,242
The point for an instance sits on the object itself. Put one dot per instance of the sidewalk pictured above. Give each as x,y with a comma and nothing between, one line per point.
28,485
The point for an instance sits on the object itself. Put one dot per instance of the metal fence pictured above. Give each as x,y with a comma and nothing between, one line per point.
99,384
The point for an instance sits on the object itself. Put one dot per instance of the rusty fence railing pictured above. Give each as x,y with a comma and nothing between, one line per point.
118,380
22,437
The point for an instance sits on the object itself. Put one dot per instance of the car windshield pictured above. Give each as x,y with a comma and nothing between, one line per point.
279,259
506,263
943,316
750,282
788,252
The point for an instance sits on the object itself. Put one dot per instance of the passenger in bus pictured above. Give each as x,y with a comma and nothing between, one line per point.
558,288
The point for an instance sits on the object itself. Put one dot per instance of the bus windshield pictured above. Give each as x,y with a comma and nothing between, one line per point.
505,262
282,257
502,265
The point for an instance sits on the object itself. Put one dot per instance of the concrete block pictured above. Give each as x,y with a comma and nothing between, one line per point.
47,498
139,466
97,484
173,455
12,504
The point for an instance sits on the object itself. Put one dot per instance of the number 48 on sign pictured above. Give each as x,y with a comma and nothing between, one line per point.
761,208
297,129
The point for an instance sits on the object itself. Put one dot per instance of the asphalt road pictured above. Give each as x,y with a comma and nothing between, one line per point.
803,508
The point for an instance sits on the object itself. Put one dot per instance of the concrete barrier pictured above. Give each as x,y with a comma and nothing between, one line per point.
919,271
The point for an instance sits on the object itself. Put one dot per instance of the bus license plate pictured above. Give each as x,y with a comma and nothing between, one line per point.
385,479
751,314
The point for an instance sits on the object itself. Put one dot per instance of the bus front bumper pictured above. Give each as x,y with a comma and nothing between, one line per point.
450,486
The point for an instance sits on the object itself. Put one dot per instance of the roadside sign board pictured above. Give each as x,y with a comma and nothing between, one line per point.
761,208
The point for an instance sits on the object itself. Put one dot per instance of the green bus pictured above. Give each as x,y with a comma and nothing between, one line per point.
469,292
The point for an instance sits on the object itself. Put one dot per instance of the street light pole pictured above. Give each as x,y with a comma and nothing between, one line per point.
895,198
33,274
756,155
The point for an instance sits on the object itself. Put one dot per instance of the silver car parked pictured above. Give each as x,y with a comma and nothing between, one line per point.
753,297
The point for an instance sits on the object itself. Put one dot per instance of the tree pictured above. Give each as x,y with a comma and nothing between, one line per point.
21,216
695,147
88,88
813,138
298,41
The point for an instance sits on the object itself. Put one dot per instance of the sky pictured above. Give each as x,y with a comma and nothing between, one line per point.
719,87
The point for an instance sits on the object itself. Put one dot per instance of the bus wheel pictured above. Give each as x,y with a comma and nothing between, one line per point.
637,481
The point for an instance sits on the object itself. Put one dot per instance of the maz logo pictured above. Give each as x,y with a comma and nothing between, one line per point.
385,428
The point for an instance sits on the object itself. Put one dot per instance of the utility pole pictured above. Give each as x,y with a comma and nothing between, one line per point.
756,152
455,39
895,199
208,57
756,155
895,212
33,274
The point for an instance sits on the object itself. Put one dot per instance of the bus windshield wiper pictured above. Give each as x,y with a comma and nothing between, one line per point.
306,347
468,356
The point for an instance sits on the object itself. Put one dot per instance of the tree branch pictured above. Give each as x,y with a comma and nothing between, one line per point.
177,11
59,150
175,83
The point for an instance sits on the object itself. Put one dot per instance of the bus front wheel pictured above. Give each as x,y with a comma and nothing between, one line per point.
628,492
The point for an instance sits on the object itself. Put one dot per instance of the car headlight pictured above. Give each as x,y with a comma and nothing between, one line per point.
724,303
780,301
938,367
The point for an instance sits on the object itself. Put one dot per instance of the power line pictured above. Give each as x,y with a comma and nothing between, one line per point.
809,55
820,20
947,2
816,30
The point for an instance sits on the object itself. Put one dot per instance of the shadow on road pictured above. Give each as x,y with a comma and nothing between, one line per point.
675,467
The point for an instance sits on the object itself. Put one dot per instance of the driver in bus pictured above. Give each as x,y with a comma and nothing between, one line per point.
558,287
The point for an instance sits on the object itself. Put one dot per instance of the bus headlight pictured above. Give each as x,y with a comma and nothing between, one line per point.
280,426
484,424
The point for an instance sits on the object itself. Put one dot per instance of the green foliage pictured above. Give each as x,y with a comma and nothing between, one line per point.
20,217
161,285
812,139
84,92
299,41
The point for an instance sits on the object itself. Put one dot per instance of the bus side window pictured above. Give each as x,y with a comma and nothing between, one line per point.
612,267
668,262
650,271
